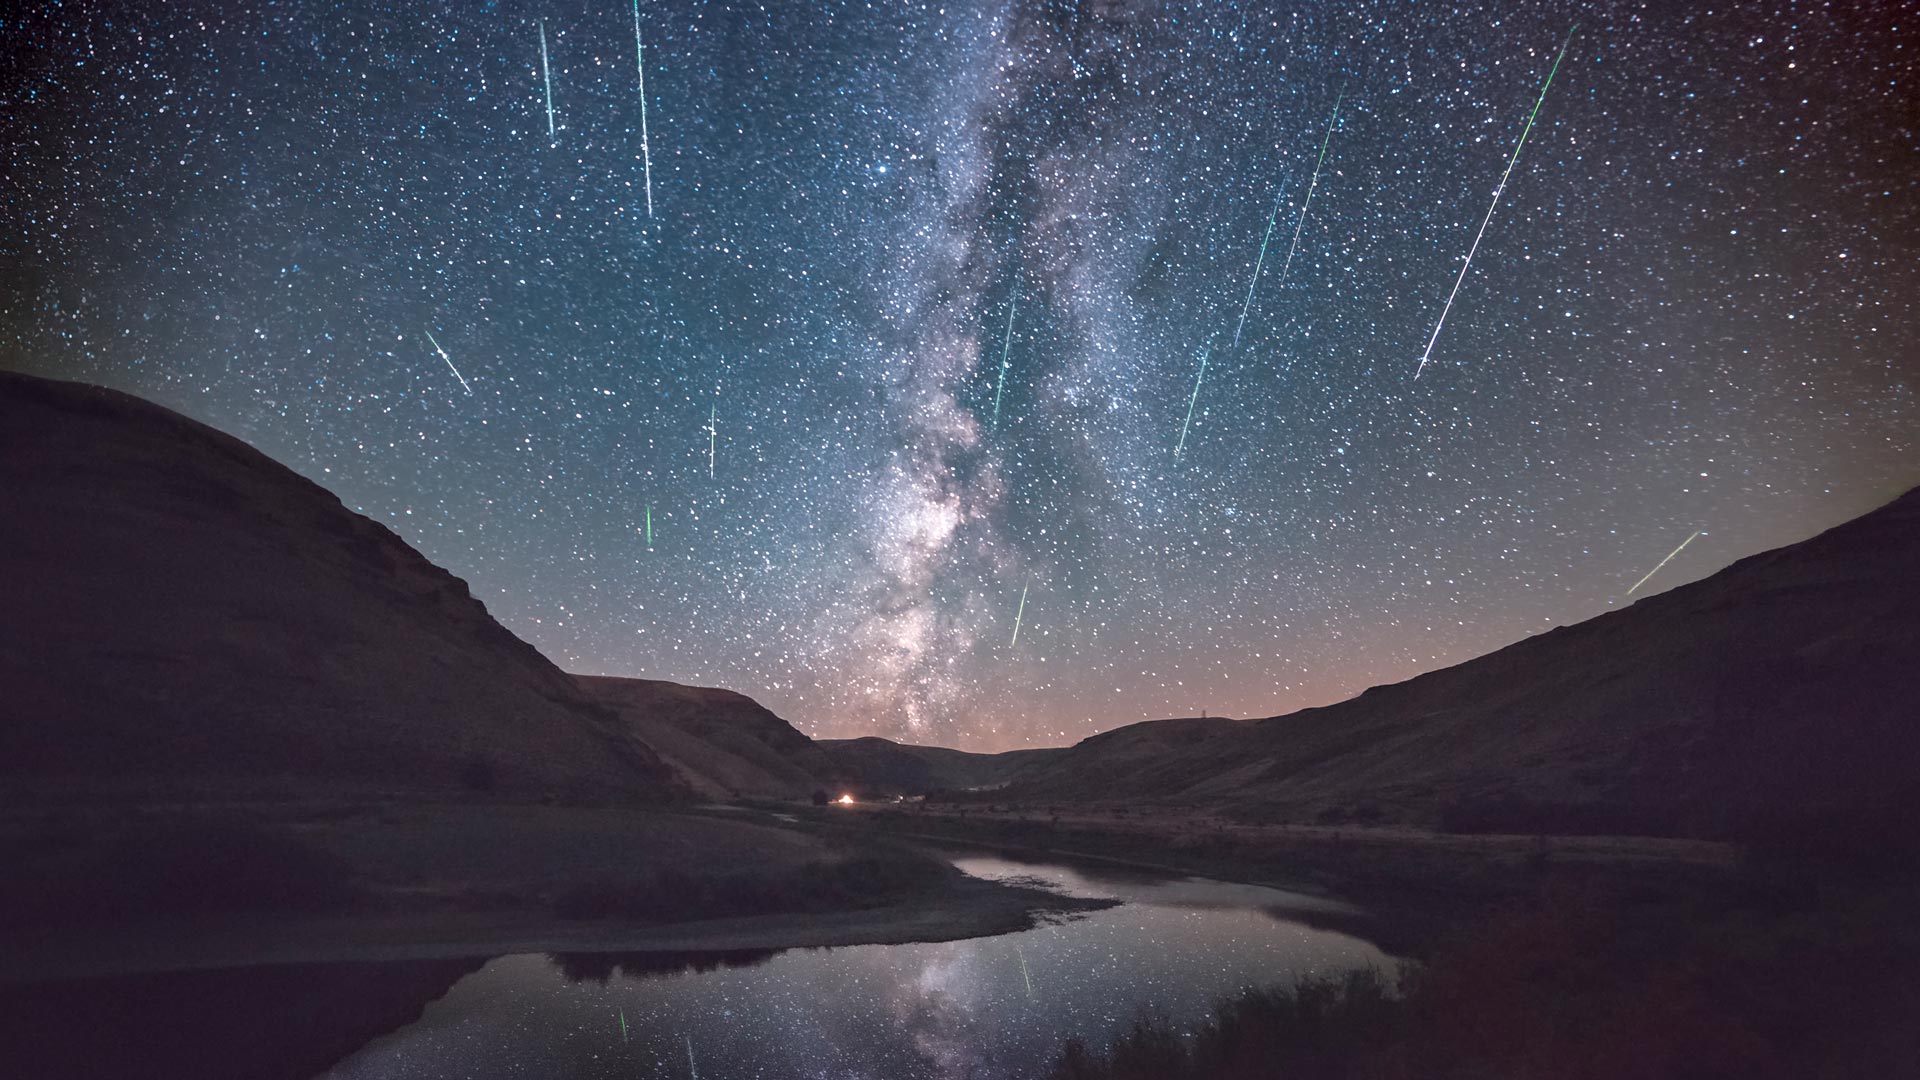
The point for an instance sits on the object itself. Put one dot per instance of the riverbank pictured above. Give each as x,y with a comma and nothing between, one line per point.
171,890
1537,955
1408,887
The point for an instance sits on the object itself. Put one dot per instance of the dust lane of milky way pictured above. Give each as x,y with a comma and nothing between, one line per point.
1693,314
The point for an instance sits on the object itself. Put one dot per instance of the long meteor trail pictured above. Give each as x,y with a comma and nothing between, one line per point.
1428,355
546,76
1020,614
1668,559
1190,402
1006,348
1311,184
713,438
450,367
1257,263
640,62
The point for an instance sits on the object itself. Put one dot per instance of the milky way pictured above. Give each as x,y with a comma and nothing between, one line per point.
771,332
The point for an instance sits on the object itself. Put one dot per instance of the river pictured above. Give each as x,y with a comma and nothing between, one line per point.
986,1008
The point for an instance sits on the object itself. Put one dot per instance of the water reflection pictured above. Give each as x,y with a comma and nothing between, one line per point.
601,967
985,1008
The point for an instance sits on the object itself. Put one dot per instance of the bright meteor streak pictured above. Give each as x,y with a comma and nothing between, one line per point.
1497,191
1257,263
691,1067
1190,403
1021,613
546,76
450,367
1024,974
713,438
1006,348
1311,184
640,62
1668,559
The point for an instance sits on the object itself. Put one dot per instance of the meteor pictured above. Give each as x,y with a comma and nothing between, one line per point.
713,438
691,1067
649,524
640,62
1302,223
623,1025
1012,306
546,76
1022,953
450,367
1497,191
1666,560
1017,615
1257,263
1190,402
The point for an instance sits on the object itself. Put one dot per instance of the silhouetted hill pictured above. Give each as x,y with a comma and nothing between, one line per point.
184,614
883,766
721,744
1780,694
724,745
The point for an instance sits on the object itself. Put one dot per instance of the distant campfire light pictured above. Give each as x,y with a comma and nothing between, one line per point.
845,800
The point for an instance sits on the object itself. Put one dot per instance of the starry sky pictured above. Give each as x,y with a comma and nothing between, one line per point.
856,381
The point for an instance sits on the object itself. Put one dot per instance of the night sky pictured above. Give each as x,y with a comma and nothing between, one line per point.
1692,309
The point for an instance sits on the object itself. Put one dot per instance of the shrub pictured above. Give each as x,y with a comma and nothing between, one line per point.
1318,1028
675,895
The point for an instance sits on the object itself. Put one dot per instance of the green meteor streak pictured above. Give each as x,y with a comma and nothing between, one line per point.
1257,263
623,1025
1190,402
1428,355
1017,615
649,524
1012,306
1302,223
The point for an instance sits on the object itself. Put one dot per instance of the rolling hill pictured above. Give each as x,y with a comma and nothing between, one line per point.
1784,689
720,744
183,614
882,766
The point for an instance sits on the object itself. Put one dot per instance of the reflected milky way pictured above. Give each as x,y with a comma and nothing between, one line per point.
898,1012
737,413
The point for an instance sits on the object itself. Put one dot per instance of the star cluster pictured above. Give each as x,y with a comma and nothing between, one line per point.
922,299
